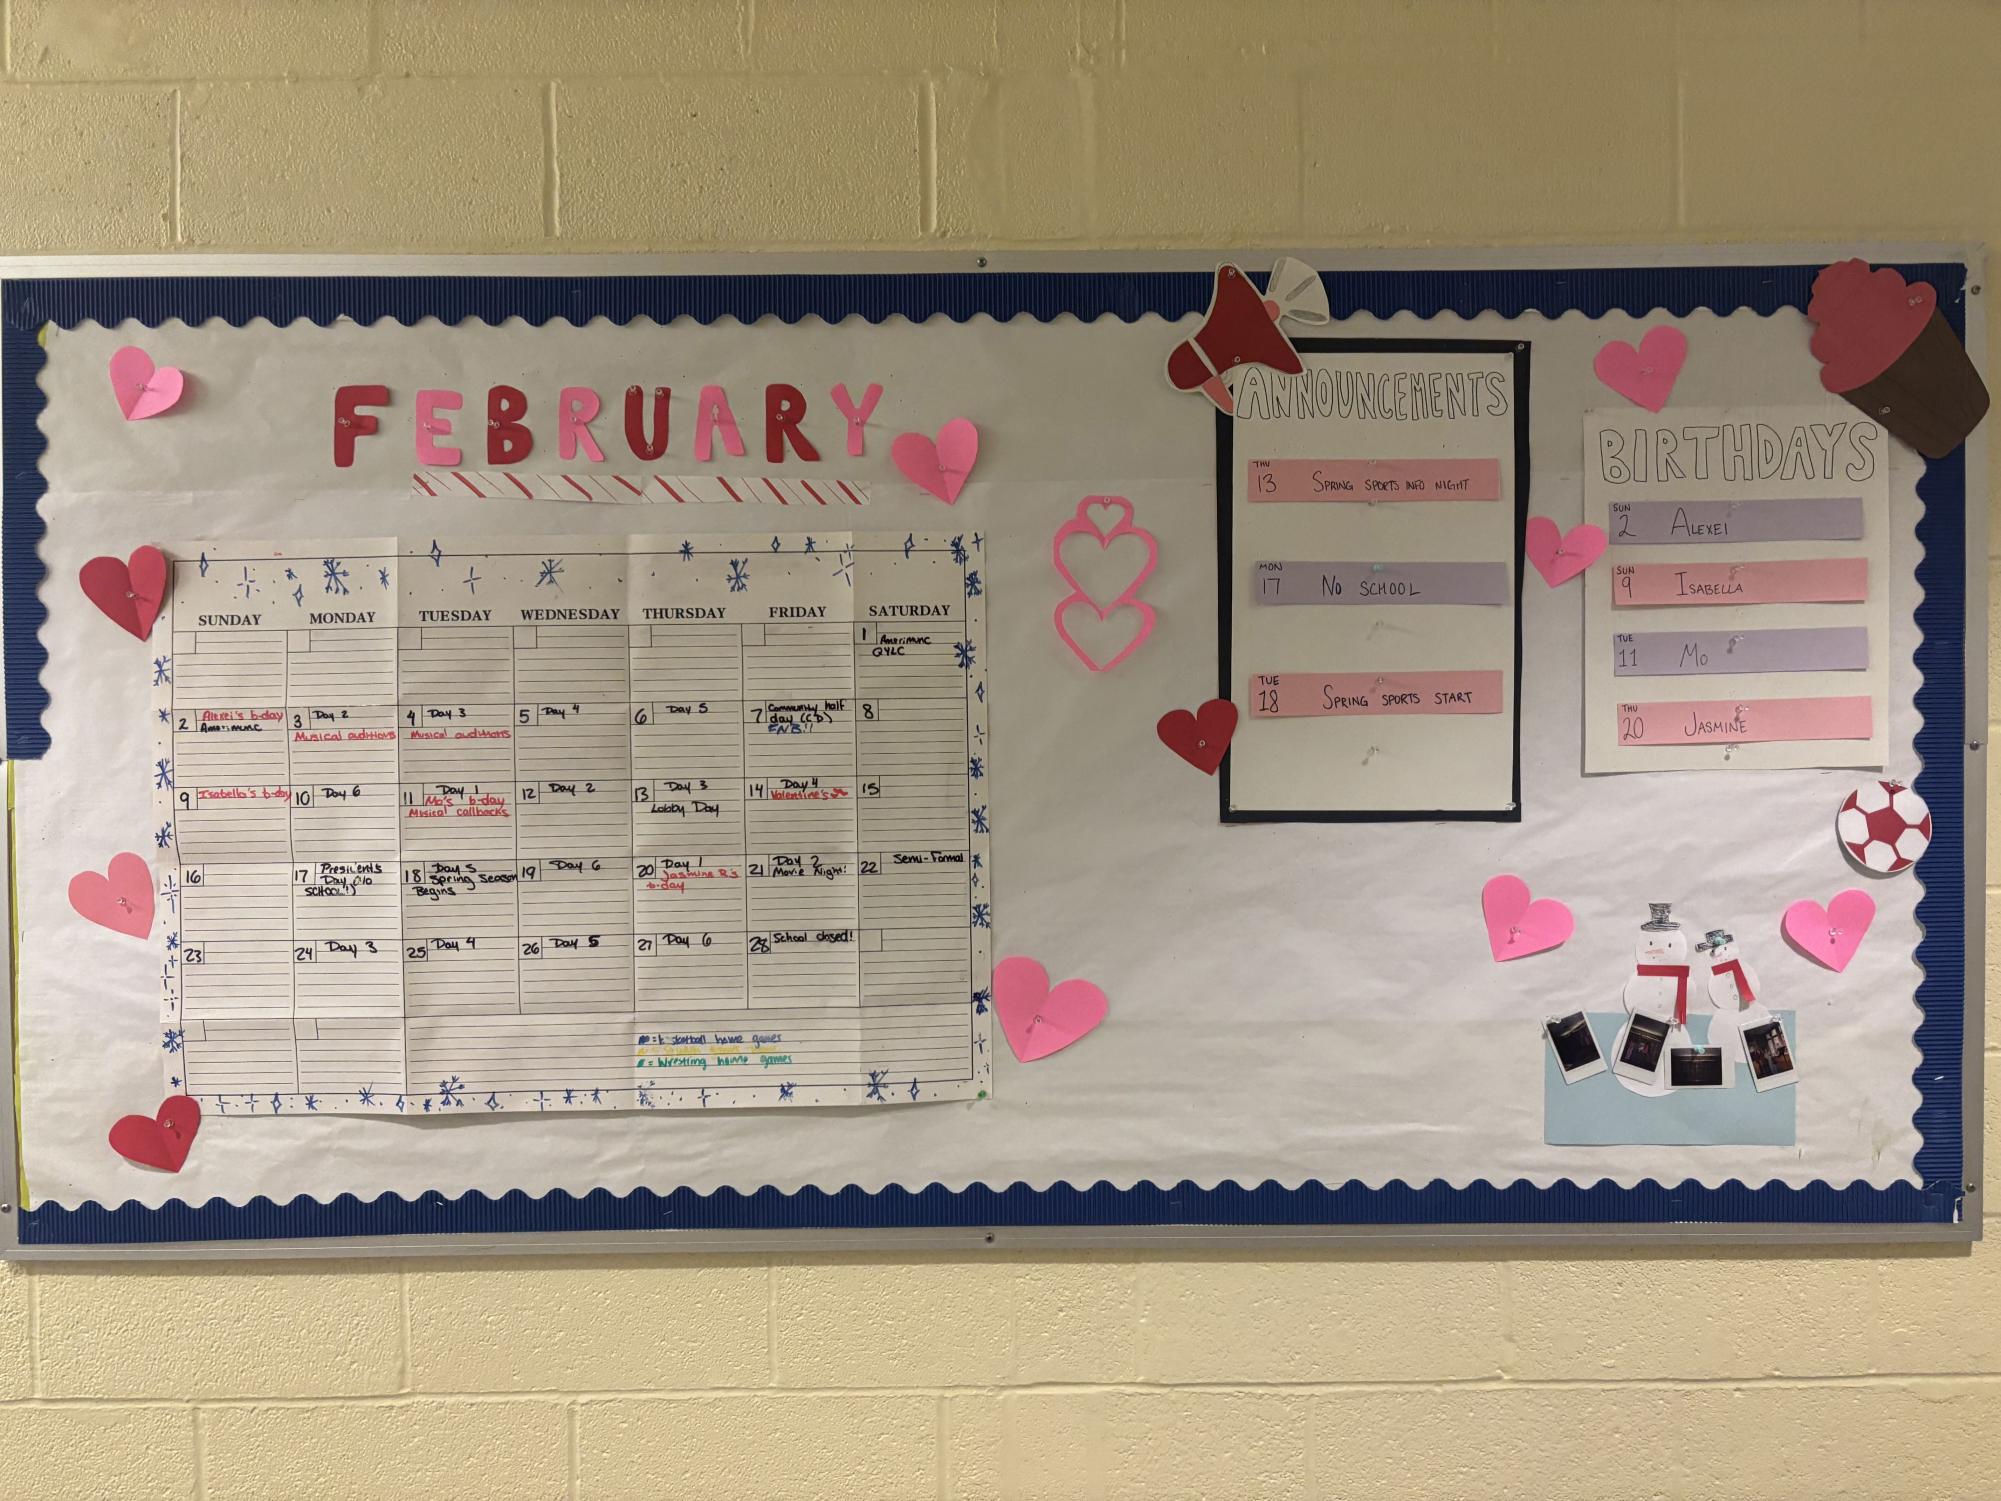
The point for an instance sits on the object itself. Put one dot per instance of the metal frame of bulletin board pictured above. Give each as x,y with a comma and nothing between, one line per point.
1944,1209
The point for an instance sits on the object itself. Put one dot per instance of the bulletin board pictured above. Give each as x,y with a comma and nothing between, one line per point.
993,751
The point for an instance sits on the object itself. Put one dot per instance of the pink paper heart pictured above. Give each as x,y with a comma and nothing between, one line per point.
130,593
1830,935
941,467
1645,375
1039,1021
1095,634
142,389
1560,556
1106,520
121,900
1517,926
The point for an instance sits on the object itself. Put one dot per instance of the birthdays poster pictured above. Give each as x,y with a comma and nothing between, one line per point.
1272,742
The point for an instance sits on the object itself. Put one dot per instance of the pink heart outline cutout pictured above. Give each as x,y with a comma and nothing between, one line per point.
161,1140
1561,556
1830,935
1083,523
940,467
130,593
141,388
121,900
1037,1020
1644,376
1518,927
1104,613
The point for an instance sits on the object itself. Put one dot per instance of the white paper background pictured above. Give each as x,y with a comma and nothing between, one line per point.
1287,1001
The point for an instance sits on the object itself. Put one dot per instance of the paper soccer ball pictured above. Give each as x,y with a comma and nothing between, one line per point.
1884,826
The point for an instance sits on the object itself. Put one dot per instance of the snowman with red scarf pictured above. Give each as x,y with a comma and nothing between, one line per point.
1659,987
1733,991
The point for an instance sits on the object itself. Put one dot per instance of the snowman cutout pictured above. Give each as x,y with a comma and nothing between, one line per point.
1659,988
1733,991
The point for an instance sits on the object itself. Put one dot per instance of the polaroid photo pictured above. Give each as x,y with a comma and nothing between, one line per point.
1697,1068
1642,1047
1770,1054
1575,1048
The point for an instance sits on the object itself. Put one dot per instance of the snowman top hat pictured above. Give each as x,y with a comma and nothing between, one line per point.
1716,938
1660,921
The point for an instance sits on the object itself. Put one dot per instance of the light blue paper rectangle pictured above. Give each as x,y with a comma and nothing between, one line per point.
1602,1112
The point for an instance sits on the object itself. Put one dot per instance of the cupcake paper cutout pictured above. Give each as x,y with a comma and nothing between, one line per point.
1884,347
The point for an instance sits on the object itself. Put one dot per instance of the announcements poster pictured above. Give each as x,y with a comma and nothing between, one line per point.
1370,584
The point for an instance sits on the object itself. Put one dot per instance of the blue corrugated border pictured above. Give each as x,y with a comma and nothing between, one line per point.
1678,290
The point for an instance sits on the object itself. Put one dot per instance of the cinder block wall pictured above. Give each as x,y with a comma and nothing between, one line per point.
487,125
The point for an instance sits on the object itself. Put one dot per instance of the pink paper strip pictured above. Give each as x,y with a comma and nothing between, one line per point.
1725,721
1298,695
1805,581
1374,479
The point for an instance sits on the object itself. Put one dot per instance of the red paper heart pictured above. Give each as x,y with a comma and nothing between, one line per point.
1200,738
129,593
162,1141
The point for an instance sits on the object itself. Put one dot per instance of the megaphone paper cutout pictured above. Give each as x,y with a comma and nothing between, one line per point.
1241,329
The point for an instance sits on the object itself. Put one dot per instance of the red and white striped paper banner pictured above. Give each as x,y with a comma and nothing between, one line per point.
637,489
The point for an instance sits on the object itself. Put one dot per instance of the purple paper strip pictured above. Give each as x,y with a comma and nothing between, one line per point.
1379,583
1675,654
1666,523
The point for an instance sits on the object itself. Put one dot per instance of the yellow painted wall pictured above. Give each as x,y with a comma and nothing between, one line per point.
482,125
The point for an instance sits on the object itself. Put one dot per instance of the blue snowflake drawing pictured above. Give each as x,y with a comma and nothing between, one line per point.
959,550
449,1091
875,1078
597,1096
980,820
171,1040
962,651
174,941
367,1095
471,581
687,549
382,575
976,768
569,1097
982,915
248,583
552,570
202,563
291,575
541,1099
844,570
163,835
312,1102
739,575
170,888
909,545
978,542
981,998
646,1099
974,589
437,554
785,1090
705,1099
163,672
173,1081
163,775
427,1104
809,547
333,577
163,715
